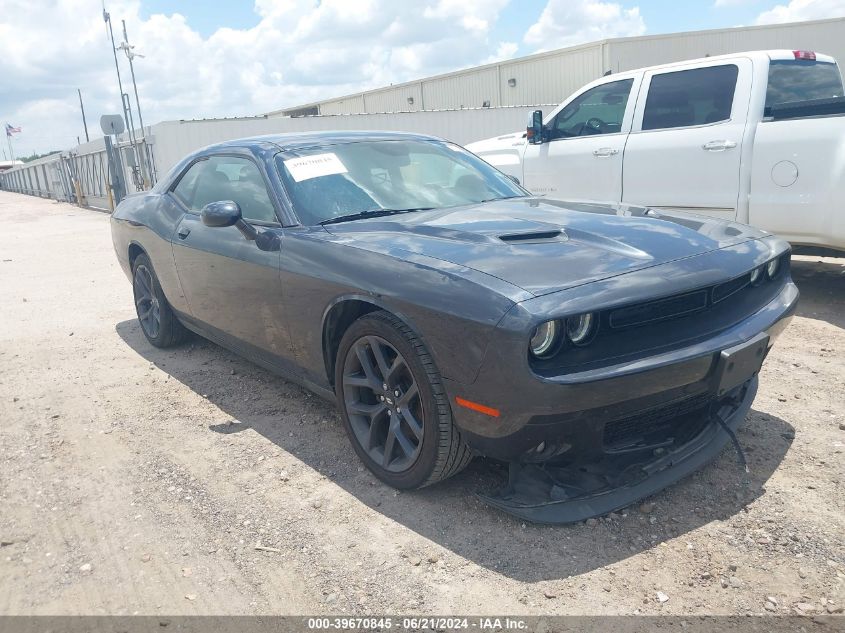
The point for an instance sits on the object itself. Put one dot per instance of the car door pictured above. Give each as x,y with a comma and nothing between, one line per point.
232,286
582,159
685,146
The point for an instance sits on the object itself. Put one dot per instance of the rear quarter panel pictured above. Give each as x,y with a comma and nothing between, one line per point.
149,220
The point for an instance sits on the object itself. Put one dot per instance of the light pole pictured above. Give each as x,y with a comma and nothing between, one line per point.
127,48
124,100
84,122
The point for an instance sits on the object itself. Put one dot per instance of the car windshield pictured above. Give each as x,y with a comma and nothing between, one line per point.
354,180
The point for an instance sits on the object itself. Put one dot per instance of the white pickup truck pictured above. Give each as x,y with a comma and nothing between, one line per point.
756,137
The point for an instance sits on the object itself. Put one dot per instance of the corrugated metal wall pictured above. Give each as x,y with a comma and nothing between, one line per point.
539,79
87,166
175,139
390,100
543,79
827,36
469,90
549,78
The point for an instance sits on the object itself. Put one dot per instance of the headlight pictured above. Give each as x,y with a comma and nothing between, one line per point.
773,267
545,339
579,329
757,275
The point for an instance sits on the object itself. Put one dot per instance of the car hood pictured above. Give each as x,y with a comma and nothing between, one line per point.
543,245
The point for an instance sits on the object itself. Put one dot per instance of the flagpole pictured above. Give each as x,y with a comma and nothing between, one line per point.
11,151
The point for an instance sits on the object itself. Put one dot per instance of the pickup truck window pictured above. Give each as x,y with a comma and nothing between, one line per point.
597,111
690,97
802,80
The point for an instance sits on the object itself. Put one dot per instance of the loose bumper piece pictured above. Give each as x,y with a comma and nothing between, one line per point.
557,493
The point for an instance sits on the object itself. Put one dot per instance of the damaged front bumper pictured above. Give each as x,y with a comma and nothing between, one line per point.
562,491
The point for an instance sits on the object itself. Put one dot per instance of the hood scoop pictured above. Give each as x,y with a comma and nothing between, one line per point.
534,237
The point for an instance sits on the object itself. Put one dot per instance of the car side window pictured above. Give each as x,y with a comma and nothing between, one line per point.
690,97
227,178
600,110
187,185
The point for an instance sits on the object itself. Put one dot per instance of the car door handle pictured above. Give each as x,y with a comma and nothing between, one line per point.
604,152
183,232
718,146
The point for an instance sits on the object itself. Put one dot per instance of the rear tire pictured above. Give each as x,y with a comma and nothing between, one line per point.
158,322
394,407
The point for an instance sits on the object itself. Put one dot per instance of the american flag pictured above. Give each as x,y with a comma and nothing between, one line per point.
12,130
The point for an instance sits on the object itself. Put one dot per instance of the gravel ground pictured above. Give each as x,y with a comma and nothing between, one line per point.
188,481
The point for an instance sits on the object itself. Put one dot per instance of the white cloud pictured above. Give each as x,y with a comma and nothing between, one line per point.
568,22
732,3
798,10
299,51
505,50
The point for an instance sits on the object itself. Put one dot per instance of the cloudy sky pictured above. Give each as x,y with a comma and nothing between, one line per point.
239,57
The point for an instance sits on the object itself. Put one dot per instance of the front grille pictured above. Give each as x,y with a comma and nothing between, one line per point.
725,290
678,421
659,310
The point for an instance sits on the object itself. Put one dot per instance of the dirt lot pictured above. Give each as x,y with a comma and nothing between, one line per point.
135,480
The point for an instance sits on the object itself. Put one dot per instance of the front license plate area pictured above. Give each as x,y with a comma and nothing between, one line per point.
740,363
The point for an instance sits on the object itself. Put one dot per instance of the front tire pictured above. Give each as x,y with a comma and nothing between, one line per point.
158,322
393,404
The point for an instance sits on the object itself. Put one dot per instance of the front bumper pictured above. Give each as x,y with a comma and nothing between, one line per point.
560,492
542,418
588,443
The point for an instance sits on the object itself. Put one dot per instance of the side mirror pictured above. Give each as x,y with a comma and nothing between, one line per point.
223,213
534,131
228,213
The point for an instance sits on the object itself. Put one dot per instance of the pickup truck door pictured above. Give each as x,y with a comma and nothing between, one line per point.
685,146
582,158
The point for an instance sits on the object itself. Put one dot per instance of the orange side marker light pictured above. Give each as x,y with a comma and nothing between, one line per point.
469,404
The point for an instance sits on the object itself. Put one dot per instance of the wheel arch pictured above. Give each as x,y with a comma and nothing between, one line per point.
342,313
135,249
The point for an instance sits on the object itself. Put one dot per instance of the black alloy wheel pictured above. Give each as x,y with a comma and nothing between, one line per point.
158,322
394,407
146,303
382,401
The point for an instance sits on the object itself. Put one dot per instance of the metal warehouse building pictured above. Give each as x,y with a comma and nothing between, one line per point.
462,106
547,78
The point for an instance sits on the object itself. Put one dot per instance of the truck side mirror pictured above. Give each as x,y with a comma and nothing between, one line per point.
534,131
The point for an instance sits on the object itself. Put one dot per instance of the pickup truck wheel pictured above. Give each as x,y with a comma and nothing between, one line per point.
394,408
158,322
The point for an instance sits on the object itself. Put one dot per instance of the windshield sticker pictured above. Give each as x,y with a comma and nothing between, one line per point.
307,167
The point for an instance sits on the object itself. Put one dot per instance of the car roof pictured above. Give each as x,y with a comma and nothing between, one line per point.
301,140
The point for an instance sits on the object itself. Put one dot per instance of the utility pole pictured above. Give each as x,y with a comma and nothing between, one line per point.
127,115
84,123
130,55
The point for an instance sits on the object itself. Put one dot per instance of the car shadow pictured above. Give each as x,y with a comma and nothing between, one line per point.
822,285
450,513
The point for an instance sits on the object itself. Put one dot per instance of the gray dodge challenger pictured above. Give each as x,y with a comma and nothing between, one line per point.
603,351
